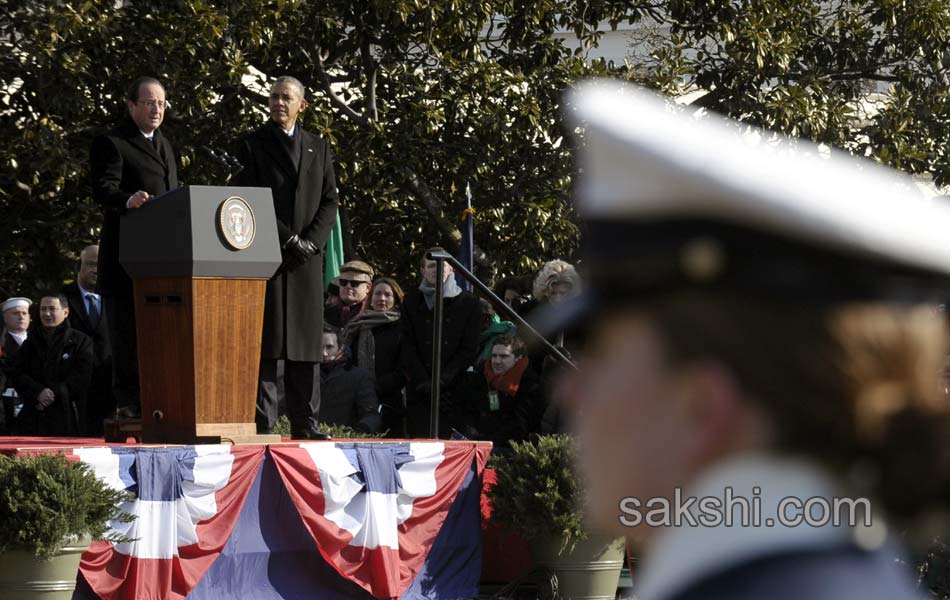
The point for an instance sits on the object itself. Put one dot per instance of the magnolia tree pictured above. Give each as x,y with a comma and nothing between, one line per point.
418,100
421,99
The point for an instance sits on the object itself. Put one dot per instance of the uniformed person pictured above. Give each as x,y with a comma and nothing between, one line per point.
761,327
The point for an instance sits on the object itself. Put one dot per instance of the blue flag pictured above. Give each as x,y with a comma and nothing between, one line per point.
466,256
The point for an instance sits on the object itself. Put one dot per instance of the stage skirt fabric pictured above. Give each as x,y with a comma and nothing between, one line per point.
314,520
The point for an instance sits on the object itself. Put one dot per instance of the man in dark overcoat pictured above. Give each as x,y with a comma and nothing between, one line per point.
129,166
51,373
461,326
298,168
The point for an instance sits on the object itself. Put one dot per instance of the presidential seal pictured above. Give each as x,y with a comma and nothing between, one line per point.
236,222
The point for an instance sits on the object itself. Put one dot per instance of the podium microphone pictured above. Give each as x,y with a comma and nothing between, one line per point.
231,164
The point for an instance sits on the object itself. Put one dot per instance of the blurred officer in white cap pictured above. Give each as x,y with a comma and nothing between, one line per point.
761,323
16,322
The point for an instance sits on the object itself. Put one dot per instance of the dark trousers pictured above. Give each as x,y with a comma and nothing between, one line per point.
301,394
100,400
419,411
120,307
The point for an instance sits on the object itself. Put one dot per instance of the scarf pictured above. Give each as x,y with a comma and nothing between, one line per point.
361,328
450,289
506,383
349,312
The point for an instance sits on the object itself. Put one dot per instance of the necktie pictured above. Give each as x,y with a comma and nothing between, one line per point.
93,310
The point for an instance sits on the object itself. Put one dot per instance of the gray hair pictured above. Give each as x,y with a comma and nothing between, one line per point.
292,81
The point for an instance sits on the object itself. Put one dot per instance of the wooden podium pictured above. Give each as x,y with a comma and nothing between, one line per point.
200,258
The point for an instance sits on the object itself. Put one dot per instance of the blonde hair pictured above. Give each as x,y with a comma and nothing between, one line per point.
850,386
552,273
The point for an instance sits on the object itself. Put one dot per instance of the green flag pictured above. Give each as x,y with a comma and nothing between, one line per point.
334,252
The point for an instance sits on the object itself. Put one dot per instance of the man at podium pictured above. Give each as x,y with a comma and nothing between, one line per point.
298,168
129,165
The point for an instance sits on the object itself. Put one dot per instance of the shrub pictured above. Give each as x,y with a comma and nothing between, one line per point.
538,494
46,501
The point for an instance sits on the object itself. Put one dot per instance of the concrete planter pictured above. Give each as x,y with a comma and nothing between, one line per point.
590,571
24,576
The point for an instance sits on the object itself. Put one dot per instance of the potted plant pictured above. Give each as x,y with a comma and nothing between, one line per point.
50,510
538,495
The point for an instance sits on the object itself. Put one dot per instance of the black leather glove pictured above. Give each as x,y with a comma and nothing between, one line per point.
301,249
295,253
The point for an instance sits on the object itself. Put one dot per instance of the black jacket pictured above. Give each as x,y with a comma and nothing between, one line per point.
515,418
461,326
305,202
61,361
347,397
390,379
121,163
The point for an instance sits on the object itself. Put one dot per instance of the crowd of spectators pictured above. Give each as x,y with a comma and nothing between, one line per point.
375,375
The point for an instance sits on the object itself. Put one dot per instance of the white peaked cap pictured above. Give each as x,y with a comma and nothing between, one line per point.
16,303
675,198
646,158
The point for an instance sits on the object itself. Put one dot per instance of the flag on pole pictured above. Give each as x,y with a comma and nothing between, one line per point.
466,256
334,252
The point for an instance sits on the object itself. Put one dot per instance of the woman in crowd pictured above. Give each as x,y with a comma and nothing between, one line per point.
373,337
557,282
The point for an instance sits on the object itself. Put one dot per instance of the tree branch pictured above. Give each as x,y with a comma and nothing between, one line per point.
335,100
370,66
421,190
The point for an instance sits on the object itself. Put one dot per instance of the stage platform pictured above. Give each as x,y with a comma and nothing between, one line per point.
331,519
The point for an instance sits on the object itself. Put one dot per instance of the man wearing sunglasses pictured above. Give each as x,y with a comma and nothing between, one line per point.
355,281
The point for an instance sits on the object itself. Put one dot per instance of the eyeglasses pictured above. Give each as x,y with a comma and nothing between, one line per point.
351,282
160,104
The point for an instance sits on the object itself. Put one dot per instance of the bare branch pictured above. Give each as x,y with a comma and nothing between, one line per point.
327,88
421,190
370,66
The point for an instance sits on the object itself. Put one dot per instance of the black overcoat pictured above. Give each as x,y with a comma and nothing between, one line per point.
348,398
122,162
461,326
305,201
62,363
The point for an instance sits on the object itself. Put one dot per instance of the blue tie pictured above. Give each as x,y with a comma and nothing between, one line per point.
93,310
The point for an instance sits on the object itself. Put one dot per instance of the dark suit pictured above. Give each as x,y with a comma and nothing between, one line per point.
123,162
299,172
100,402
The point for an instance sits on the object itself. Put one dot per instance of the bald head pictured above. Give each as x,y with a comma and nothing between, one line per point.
88,270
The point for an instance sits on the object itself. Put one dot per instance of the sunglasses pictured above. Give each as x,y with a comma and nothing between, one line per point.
351,282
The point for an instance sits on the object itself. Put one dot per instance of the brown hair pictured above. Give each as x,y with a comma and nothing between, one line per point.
506,339
132,92
424,258
853,387
397,291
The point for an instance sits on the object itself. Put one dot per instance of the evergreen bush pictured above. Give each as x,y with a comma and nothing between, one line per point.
47,501
538,494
